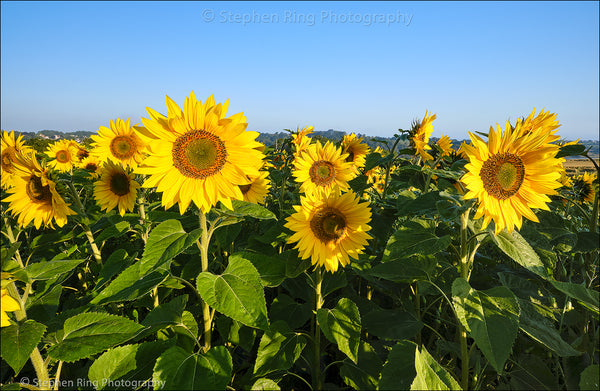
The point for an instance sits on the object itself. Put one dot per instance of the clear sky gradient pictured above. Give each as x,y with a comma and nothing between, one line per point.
352,66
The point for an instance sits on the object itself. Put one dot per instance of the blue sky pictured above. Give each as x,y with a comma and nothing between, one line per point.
353,66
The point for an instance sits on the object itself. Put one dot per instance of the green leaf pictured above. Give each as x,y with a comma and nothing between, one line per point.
570,150
177,369
586,242
248,209
341,326
131,284
541,329
531,373
44,308
279,349
407,270
265,384
129,363
430,375
359,184
91,333
237,293
8,252
392,324
588,297
520,251
165,242
290,311
18,341
113,231
51,269
115,263
166,314
399,370
412,238
363,375
271,269
589,378
491,317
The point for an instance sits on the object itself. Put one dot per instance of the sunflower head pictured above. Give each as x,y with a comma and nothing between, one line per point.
511,174
323,169
119,143
92,164
584,187
197,154
330,230
257,189
34,197
357,150
301,140
445,145
419,136
117,187
11,150
63,155
545,123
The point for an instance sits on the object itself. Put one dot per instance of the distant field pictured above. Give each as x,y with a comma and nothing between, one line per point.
578,166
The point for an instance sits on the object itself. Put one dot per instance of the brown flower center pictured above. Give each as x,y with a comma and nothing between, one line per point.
328,224
91,166
8,155
322,173
245,188
199,154
63,156
38,193
123,147
350,157
119,183
502,175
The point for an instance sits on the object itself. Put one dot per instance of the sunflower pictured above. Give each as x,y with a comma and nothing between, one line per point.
357,150
330,229
511,174
92,164
7,304
9,152
322,168
120,143
82,152
301,141
445,145
63,155
419,136
257,190
34,197
545,123
583,187
199,155
116,188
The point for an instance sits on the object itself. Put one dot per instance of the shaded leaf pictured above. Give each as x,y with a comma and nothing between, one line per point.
589,378
399,371
279,349
412,238
341,326
392,324
51,269
18,341
363,375
588,297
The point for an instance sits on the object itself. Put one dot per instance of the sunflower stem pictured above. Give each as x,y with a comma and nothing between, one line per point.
204,241
41,369
317,337
464,272
86,228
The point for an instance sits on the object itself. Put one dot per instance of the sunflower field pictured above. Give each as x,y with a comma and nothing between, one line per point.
180,253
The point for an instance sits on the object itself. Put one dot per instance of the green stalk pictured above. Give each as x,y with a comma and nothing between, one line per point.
317,337
464,272
203,245
86,229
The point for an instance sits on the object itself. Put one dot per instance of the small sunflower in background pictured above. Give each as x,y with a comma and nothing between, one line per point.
357,150
301,141
445,145
91,164
82,152
199,155
419,136
510,174
10,150
34,197
322,169
257,189
119,143
583,187
330,230
7,304
116,188
63,155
